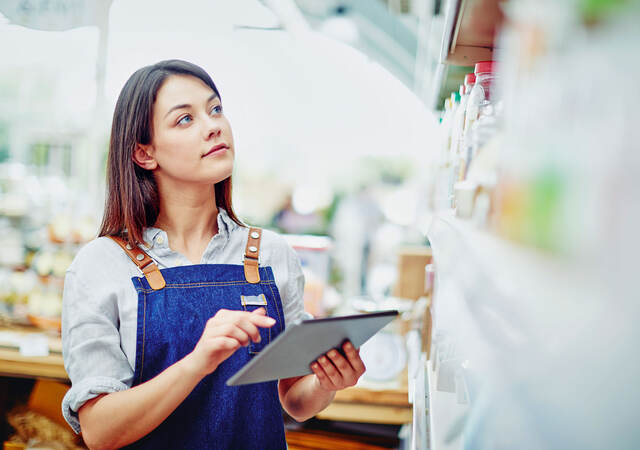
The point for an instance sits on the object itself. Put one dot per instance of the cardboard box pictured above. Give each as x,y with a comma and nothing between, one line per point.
411,275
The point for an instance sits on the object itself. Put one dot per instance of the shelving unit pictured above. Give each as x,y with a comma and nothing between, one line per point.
467,37
487,315
470,29
492,300
466,31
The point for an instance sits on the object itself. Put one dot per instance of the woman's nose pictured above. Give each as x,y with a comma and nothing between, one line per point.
213,129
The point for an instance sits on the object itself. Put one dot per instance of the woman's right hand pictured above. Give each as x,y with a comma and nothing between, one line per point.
223,334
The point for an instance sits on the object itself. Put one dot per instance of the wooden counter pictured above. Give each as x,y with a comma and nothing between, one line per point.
371,406
14,364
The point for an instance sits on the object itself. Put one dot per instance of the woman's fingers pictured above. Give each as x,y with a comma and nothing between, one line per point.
340,363
226,343
257,317
261,321
250,328
330,370
353,357
248,322
234,332
260,311
348,373
323,379
335,371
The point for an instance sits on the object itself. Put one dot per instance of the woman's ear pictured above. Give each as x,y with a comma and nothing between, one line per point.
142,156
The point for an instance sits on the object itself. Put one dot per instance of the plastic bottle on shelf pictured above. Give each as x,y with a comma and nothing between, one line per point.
445,125
469,81
480,95
453,145
441,197
479,102
479,126
457,135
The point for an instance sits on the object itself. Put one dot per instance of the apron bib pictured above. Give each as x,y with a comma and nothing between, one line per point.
173,307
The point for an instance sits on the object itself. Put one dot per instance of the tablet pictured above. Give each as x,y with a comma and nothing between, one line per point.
293,351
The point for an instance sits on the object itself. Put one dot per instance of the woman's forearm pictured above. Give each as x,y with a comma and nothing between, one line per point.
121,418
303,398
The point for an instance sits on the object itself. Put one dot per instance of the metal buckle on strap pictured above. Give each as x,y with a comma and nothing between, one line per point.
252,255
144,262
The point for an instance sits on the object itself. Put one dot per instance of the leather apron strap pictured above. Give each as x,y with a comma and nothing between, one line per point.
251,254
144,262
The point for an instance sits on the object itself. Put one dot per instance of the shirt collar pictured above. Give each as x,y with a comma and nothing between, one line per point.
225,226
150,235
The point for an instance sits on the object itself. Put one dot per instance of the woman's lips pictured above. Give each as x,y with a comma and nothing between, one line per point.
216,149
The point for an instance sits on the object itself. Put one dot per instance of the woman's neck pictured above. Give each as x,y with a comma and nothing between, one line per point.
189,216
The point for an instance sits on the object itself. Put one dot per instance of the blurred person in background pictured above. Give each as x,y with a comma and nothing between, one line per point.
148,356
290,221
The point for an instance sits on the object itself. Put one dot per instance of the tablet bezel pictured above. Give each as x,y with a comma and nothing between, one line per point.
391,314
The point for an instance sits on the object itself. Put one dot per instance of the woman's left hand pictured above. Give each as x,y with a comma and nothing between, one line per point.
334,372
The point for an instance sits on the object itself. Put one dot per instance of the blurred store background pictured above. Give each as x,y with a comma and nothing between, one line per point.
472,163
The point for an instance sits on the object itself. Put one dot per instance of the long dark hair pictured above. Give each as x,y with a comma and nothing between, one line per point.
132,201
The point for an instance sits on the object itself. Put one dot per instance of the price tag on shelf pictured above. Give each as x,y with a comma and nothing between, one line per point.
34,345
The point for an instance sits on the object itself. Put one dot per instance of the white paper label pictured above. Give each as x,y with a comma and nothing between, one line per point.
34,345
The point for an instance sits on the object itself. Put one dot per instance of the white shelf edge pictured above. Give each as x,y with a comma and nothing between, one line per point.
444,411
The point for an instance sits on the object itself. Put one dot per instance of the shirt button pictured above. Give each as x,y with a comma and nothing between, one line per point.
160,240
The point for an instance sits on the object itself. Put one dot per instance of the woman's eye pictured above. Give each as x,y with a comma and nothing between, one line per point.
216,109
184,120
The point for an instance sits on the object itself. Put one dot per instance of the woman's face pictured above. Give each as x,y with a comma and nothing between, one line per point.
192,140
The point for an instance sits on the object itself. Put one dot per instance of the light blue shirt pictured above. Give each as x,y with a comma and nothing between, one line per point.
100,303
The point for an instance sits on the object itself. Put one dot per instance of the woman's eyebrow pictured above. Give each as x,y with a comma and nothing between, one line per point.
186,105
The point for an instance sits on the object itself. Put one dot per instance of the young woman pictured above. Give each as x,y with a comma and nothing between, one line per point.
177,294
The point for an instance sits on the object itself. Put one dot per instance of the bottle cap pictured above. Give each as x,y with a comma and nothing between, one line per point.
455,97
469,79
484,67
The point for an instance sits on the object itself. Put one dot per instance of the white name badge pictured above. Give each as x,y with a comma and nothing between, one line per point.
253,300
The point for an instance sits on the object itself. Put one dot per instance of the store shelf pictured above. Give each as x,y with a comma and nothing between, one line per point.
15,364
512,314
506,284
468,37
470,30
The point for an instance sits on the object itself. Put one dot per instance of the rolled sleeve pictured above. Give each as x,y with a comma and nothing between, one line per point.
83,391
91,346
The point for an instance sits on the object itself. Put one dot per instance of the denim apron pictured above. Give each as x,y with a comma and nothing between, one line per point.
173,307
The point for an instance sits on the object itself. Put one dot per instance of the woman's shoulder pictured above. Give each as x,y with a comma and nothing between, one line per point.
102,254
273,238
272,241
273,245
